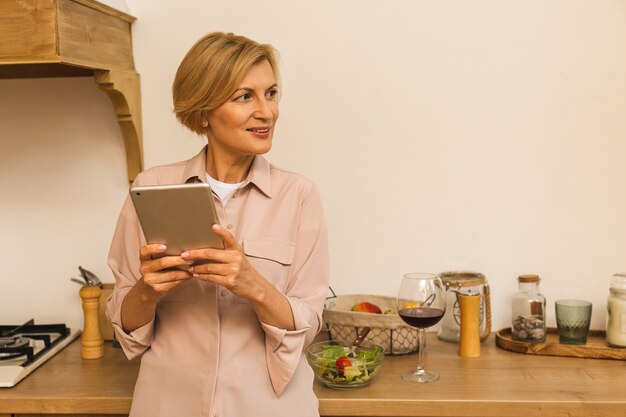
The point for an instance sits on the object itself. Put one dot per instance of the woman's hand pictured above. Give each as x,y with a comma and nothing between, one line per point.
159,275
139,305
229,267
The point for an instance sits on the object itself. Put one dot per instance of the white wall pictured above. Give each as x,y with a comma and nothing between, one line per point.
62,180
473,135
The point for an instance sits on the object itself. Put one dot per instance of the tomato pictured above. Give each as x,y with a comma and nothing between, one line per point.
343,362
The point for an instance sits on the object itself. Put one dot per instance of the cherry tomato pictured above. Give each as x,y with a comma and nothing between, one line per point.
342,362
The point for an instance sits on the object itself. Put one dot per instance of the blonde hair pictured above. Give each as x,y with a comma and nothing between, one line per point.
212,71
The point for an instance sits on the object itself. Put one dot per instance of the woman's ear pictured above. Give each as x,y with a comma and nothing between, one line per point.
204,119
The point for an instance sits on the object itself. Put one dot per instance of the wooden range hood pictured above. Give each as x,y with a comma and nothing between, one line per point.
76,38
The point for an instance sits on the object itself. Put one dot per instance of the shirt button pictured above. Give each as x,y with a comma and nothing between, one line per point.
230,226
224,293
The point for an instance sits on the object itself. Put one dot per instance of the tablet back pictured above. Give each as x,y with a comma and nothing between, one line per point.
180,216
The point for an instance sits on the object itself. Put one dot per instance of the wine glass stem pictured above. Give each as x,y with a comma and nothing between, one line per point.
420,352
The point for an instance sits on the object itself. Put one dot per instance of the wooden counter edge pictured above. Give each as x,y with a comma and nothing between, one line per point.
447,408
66,406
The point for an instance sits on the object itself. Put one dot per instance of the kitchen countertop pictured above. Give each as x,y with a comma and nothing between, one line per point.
499,383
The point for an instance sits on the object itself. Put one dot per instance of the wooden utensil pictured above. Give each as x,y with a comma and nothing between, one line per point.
359,339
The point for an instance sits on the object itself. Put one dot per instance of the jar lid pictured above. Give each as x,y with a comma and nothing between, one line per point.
618,281
463,278
528,278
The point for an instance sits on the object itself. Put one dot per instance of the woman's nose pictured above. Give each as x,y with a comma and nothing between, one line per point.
263,110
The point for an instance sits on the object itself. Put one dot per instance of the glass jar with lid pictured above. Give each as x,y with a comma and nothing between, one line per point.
528,311
616,322
466,283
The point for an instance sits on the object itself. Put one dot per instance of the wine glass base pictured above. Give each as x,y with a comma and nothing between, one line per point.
423,376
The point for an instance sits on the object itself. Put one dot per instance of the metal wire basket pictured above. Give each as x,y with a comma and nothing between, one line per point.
387,330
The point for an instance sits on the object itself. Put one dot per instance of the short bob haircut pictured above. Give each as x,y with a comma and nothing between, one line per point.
212,71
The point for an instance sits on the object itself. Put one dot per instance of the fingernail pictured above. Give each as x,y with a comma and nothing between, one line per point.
184,255
195,275
190,269
217,227
162,248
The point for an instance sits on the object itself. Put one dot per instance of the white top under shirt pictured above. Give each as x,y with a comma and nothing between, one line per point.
223,190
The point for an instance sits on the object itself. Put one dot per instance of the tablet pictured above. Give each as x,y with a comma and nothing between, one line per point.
179,216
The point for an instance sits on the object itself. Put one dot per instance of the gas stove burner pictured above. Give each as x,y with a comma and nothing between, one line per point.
13,347
13,341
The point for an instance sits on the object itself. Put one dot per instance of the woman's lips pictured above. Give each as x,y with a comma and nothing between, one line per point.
261,132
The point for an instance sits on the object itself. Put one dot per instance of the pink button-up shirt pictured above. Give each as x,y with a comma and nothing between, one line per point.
206,353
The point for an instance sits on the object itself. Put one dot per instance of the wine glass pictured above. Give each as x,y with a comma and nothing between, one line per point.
421,304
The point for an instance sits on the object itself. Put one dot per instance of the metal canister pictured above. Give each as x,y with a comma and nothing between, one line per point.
465,283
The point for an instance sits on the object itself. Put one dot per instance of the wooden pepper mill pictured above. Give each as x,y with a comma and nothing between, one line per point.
469,340
92,345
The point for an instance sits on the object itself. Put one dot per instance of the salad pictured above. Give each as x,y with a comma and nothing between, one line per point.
339,365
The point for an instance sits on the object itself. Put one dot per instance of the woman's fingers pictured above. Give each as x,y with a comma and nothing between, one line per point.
227,238
162,282
161,273
215,279
159,264
169,276
147,251
213,269
232,251
208,254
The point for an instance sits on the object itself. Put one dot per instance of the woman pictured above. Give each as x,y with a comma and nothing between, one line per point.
226,338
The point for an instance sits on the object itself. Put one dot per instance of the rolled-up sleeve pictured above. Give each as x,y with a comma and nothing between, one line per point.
306,292
124,263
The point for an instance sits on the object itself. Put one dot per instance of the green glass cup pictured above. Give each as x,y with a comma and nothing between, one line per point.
572,320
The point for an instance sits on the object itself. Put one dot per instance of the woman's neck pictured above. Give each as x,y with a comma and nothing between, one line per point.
225,167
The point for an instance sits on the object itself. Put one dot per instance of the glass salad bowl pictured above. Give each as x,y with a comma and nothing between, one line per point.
337,365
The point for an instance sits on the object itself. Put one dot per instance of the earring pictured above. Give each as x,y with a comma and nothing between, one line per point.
205,123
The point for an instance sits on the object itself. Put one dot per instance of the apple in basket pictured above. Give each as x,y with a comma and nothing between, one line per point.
366,307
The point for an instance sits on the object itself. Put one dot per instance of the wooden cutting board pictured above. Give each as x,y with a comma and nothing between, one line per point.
596,346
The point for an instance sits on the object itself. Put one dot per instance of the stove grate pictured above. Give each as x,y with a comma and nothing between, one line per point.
49,334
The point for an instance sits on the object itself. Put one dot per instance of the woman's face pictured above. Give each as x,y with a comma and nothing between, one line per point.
244,125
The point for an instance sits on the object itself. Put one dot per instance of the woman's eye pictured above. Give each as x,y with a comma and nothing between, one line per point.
273,93
244,97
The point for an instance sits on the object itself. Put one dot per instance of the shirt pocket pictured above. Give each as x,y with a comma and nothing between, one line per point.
272,258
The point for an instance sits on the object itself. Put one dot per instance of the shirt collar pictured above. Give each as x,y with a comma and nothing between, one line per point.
259,175
195,168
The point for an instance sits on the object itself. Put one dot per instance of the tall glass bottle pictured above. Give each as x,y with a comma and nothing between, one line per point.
529,311
616,324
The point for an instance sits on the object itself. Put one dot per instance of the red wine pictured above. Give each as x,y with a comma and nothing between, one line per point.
421,317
